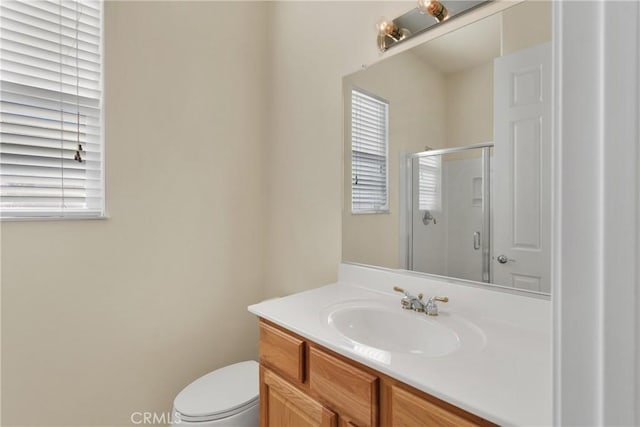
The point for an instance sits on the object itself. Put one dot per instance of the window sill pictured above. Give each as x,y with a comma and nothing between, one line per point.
371,212
43,218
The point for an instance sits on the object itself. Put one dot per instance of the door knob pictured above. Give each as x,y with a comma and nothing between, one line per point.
502,259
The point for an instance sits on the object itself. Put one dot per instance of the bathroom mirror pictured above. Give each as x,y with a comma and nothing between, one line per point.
448,154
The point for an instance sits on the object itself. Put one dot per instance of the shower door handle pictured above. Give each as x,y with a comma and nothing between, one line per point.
476,240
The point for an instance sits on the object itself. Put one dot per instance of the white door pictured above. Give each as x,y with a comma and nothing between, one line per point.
522,167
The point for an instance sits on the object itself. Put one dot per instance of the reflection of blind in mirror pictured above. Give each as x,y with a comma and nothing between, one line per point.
369,134
429,183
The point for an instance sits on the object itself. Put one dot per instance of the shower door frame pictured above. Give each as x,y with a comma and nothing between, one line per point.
485,240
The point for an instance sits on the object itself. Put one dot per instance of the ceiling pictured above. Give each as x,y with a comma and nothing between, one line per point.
467,47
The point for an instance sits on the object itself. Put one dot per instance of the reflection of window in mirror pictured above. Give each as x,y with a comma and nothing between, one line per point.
369,153
429,197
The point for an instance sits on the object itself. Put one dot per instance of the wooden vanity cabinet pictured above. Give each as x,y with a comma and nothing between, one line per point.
303,384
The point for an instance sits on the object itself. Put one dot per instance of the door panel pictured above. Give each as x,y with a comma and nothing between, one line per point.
522,169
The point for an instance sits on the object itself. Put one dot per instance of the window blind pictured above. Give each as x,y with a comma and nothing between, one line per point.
429,183
369,163
50,107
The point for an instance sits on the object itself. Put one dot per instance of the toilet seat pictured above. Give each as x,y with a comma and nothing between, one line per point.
214,417
219,394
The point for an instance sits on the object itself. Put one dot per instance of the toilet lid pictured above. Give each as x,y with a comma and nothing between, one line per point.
222,391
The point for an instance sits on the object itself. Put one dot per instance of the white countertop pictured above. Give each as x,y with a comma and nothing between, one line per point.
506,379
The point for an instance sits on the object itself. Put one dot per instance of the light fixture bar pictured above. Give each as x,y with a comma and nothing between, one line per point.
425,16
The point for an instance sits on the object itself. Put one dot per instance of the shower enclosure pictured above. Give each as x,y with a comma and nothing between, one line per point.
448,212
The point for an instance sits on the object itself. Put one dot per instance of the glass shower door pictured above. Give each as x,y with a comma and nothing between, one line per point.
450,213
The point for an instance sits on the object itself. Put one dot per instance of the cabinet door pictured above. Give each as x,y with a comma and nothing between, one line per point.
283,405
409,410
352,392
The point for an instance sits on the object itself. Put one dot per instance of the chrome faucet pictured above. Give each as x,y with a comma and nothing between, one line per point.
410,302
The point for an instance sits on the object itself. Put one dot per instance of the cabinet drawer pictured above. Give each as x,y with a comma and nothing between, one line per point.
352,392
409,410
282,352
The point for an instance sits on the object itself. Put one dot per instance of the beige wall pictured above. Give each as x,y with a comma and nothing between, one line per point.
416,95
103,318
469,106
525,25
305,150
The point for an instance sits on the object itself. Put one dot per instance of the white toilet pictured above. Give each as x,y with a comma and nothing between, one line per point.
228,396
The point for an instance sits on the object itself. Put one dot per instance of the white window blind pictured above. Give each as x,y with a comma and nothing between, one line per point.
429,183
51,151
369,149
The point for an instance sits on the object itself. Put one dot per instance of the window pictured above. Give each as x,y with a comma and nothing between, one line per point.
51,151
369,153
429,183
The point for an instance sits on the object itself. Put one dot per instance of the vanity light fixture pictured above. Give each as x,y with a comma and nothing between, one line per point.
418,20
433,8
387,28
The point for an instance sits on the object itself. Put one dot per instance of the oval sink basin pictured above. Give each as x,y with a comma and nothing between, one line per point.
400,332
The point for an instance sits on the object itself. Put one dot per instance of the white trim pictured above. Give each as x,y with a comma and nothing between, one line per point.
52,218
637,248
619,147
103,126
556,207
596,211
380,211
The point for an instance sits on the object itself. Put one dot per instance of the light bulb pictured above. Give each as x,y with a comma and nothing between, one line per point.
433,8
423,6
384,26
390,29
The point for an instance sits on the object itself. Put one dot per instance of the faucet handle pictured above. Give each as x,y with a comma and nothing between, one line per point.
405,302
431,308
